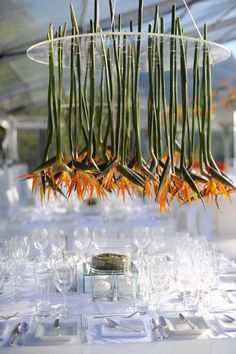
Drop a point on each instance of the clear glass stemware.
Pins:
(63, 280)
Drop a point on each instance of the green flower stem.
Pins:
(50, 128)
(194, 100)
(92, 94)
(127, 131)
(184, 82)
(53, 92)
(71, 98)
(172, 89)
(204, 107)
(123, 106)
(101, 111)
(151, 100)
(136, 87)
(163, 89)
(209, 105)
(157, 88)
(59, 98)
(109, 99)
(175, 83)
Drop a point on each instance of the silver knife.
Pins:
(155, 329)
(226, 296)
(163, 325)
(14, 334)
(57, 327)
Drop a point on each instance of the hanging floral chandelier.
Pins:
(94, 142)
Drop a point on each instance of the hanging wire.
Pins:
(191, 16)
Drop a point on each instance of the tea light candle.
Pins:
(101, 285)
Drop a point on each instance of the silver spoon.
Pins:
(24, 327)
(57, 326)
(113, 324)
(229, 319)
(155, 328)
(164, 326)
(190, 323)
(19, 329)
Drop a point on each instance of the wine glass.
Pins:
(43, 276)
(82, 239)
(42, 272)
(16, 262)
(158, 241)
(40, 240)
(63, 280)
(99, 238)
(57, 240)
(158, 277)
(141, 238)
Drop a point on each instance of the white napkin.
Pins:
(226, 326)
(98, 333)
(4, 330)
(119, 332)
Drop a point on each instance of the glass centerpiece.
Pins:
(94, 141)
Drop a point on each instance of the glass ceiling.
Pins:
(23, 84)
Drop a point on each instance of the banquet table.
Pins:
(214, 340)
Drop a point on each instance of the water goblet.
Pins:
(99, 238)
(63, 280)
(82, 238)
(158, 278)
(16, 264)
(40, 240)
(43, 277)
(141, 239)
(58, 241)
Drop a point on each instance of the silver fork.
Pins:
(226, 296)
(229, 319)
(155, 329)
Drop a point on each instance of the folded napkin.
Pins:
(97, 332)
(119, 332)
(4, 330)
(227, 326)
(227, 268)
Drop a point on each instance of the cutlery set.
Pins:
(159, 329)
(16, 336)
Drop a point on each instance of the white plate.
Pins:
(47, 332)
(119, 332)
(182, 328)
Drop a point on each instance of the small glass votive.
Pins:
(125, 288)
(43, 302)
(191, 299)
(102, 287)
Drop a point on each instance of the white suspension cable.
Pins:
(191, 16)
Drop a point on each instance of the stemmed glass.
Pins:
(141, 238)
(40, 240)
(43, 276)
(99, 238)
(158, 277)
(82, 238)
(58, 242)
(16, 261)
(158, 241)
(63, 280)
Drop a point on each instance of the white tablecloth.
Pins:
(116, 222)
